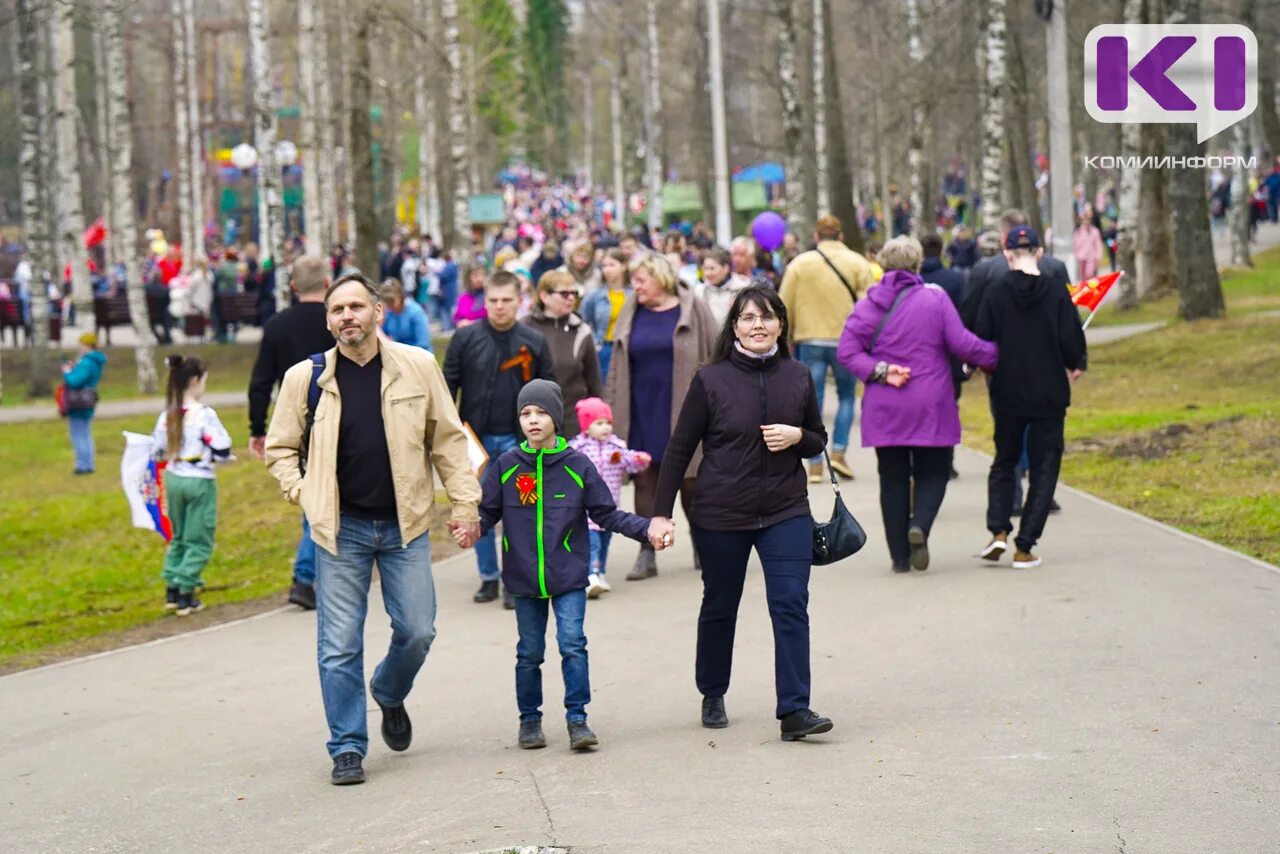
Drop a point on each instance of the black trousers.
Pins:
(786, 552)
(901, 467)
(1044, 444)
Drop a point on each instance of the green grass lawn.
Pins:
(1182, 425)
(73, 569)
(1247, 290)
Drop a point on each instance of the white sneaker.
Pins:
(594, 587)
(604, 584)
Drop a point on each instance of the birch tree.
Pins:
(1129, 196)
(424, 113)
(309, 127)
(653, 112)
(67, 140)
(270, 207)
(33, 94)
(195, 135)
(993, 116)
(103, 139)
(326, 158)
(1238, 215)
(122, 192)
(615, 137)
(181, 118)
(821, 166)
(793, 126)
(915, 145)
(460, 162)
(366, 214)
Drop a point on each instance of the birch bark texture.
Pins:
(821, 166)
(122, 192)
(309, 127)
(719, 137)
(460, 239)
(326, 229)
(270, 207)
(424, 114)
(653, 111)
(195, 134)
(102, 135)
(993, 116)
(793, 126)
(915, 144)
(615, 131)
(1129, 198)
(67, 135)
(33, 95)
(181, 121)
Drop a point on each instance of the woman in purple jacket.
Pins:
(898, 341)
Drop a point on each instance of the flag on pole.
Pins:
(1089, 293)
(143, 481)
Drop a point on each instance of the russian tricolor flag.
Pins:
(143, 481)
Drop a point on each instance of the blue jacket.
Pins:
(409, 326)
(86, 373)
(596, 310)
(951, 281)
(543, 499)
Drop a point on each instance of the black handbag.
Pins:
(842, 536)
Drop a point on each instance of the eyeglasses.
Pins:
(750, 320)
(565, 294)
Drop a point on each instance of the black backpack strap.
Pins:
(853, 295)
(313, 401)
(885, 319)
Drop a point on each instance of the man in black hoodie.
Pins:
(1030, 317)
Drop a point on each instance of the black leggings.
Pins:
(901, 468)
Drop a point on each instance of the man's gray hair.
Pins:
(354, 278)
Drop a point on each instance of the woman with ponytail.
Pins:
(190, 437)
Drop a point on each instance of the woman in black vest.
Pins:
(755, 412)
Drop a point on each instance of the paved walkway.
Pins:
(115, 408)
(1121, 697)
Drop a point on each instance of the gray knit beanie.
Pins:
(544, 394)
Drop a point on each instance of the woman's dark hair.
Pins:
(181, 373)
(766, 300)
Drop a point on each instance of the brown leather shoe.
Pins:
(815, 473)
(840, 466)
(995, 549)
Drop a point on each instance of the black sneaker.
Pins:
(487, 593)
(171, 598)
(188, 604)
(580, 736)
(302, 595)
(508, 599)
(901, 567)
(713, 714)
(1054, 507)
(348, 769)
(397, 729)
(531, 737)
(798, 724)
(919, 548)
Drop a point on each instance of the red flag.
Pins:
(1090, 292)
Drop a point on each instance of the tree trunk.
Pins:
(459, 153)
(103, 138)
(701, 133)
(1238, 216)
(32, 44)
(122, 192)
(362, 148)
(195, 133)
(69, 192)
(588, 130)
(615, 130)
(309, 127)
(719, 139)
(793, 125)
(840, 179)
(326, 230)
(821, 104)
(270, 206)
(1154, 262)
(346, 191)
(1129, 196)
(993, 115)
(653, 108)
(425, 116)
(920, 219)
(182, 200)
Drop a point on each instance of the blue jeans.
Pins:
(486, 549)
(342, 599)
(82, 441)
(819, 357)
(599, 550)
(531, 621)
(304, 562)
(605, 353)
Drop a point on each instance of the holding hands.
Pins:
(662, 533)
(465, 534)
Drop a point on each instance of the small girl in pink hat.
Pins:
(614, 461)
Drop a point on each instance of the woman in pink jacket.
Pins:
(1086, 243)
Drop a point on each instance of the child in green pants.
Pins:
(189, 435)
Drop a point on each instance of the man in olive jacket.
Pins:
(383, 420)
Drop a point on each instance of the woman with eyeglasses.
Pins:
(754, 411)
(573, 349)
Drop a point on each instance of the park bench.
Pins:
(114, 311)
(11, 318)
(238, 307)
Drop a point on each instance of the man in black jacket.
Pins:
(289, 338)
(1031, 318)
(489, 362)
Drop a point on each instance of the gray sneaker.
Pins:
(646, 565)
(531, 737)
(348, 769)
(580, 736)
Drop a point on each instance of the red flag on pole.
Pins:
(1090, 292)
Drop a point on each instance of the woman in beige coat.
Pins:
(661, 338)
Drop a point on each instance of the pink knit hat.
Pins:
(592, 409)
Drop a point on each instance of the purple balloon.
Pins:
(768, 229)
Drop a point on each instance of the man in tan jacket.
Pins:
(383, 419)
(819, 289)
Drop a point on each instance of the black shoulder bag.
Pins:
(853, 295)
